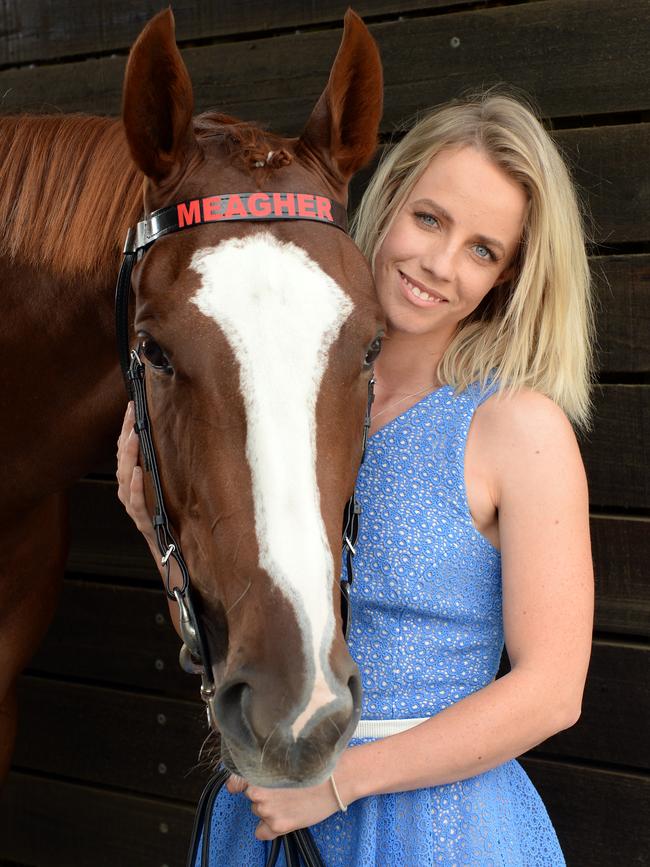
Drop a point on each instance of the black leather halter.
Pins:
(258, 207)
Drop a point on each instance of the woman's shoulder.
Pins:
(523, 423)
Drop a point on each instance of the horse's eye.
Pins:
(154, 354)
(373, 351)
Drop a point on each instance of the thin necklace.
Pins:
(401, 400)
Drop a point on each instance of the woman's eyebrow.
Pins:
(482, 239)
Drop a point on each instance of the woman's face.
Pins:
(451, 242)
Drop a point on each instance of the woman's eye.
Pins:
(484, 252)
(373, 351)
(154, 354)
(427, 219)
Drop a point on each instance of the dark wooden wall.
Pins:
(106, 769)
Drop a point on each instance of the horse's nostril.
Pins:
(233, 703)
(354, 685)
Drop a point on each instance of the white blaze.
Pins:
(280, 313)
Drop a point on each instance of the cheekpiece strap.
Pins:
(235, 207)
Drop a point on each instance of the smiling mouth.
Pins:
(419, 291)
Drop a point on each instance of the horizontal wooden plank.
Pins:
(621, 549)
(623, 314)
(600, 816)
(31, 33)
(615, 193)
(104, 539)
(48, 823)
(120, 739)
(615, 712)
(115, 635)
(568, 61)
(617, 452)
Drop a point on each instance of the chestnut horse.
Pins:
(255, 338)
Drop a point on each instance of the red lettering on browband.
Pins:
(259, 205)
(255, 206)
(284, 203)
(235, 208)
(212, 208)
(324, 208)
(189, 213)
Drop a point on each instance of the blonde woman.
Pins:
(475, 508)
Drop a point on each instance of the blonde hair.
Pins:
(535, 330)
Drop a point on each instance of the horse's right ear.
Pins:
(342, 130)
(158, 102)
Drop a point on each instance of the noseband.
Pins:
(257, 207)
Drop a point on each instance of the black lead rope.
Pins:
(298, 846)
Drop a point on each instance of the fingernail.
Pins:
(130, 412)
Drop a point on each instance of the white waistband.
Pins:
(382, 728)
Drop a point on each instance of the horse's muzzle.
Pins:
(258, 738)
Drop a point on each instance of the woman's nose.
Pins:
(440, 261)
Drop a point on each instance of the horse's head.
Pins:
(256, 339)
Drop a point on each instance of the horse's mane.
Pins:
(69, 190)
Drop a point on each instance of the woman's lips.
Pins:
(417, 293)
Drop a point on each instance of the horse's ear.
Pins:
(343, 126)
(158, 102)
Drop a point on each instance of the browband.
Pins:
(232, 207)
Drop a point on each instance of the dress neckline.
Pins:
(406, 412)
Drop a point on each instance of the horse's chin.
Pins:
(264, 774)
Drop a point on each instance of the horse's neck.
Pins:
(62, 387)
(63, 383)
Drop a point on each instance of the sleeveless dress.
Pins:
(426, 631)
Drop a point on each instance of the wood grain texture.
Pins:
(623, 314)
(567, 60)
(32, 33)
(118, 636)
(143, 743)
(598, 814)
(616, 194)
(621, 549)
(617, 452)
(50, 823)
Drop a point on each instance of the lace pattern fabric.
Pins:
(426, 632)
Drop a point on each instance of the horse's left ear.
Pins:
(158, 102)
(343, 126)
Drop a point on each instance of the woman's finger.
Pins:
(127, 423)
(137, 507)
(263, 832)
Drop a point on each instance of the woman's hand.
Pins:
(284, 810)
(130, 482)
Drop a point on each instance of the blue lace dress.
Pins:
(426, 631)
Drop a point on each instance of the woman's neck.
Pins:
(408, 362)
